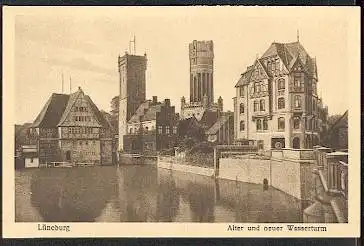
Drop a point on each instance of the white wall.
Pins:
(30, 163)
(245, 170)
(284, 175)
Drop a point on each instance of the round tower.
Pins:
(201, 54)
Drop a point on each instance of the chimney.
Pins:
(155, 99)
(167, 102)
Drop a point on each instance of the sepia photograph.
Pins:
(203, 115)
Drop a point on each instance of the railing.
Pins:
(66, 164)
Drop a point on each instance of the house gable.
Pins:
(80, 112)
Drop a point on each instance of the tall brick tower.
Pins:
(132, 92)
(201, 71)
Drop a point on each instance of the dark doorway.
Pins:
(278, 143)
(68, 155)
(296, 143)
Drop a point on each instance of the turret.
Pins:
(220, 103)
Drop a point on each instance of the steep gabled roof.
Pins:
(71, 101)
(208, 118)
(215, 127)
(245, 77)
(52, 111)
(57, 108)
(146, 111)
(97, 113)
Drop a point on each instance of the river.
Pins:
(144, 194)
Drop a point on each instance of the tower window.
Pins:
(296, 122)
(241, 91)
(241, 108)
(265, 124)
(262, 105)
(281, 123)
(259, 124)
(256, 105)
(297, 101)
(242, 125)
(281, 103)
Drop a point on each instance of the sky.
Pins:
(84, 44)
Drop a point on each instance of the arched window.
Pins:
(281, 84)
(259, 124)
(273, 65)
(241, 108)
(269, 66)
(262, 105)
(281, 123)
(297, 101)
(242, 125)
(296, 122)
(265, 124)
(256, 105)
(281, 103)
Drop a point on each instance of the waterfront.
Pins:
(144, 194)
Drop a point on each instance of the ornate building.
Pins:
(132, 70)
(276, 99)
(201, 54)
(71, 128)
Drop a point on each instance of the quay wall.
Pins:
(286, 170)
(166, 164)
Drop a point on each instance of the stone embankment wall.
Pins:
(288, 170)
(173, 164)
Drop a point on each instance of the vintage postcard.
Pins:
(181, 121)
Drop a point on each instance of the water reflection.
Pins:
(145, 194)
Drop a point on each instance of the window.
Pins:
(255, 87)
(174, 129)
(167, 129)
(86, 142)
(265, 124)
(281, 103)
(160, 129)
(130, 130)
(259, 124)
(269, 66)
(296, 122)
(259, 88)
(241, 108)
(256, 105)
(281, 123)
(309, 124)
(31, 160)
(297, 101)
(242, 125)
(278, 65)
(241, 91)
(262, 105)
(273, 65)
(281, 84)
(69, 129)
(297, 81)
(146, 129)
